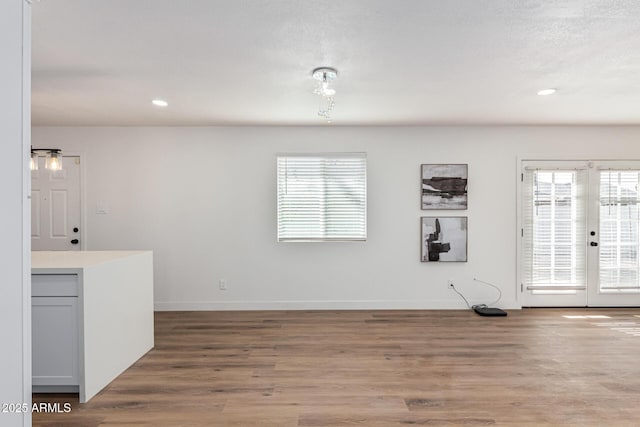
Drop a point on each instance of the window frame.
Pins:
(282, 236)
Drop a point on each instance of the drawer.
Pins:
(54, 285)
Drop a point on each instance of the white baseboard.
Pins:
(309, 305)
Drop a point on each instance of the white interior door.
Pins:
(580, 233)
(56, 207)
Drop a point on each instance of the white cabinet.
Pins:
(55, 340)
(54, 317)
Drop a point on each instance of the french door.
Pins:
(579, 239)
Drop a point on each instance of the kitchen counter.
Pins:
(92, 317)
(42, 261)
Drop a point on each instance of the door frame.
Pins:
(520, 291)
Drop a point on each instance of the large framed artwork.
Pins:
(443, 239)
(444, 186)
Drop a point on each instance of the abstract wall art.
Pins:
(443, 239)
(444, 186)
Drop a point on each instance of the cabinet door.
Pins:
(55, 340)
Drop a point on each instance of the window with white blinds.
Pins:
(554, 229)
(322, 197)
(619, 204)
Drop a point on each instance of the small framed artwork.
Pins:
(444, 186)
(443, 239)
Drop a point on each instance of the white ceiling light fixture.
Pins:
(324, 76)
(545, 92)
(160, 103)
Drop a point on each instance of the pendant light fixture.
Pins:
(324, 76)
(34, 161)
(53, 158)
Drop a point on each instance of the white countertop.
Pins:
(75, 259)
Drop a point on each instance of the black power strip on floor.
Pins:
(488, 311)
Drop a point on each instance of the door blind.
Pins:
(322, 197)
(619, 204)
(554, 230)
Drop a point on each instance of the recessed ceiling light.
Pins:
(545, 92)
(159, 102)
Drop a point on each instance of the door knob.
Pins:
(75, 241)
(594, 243)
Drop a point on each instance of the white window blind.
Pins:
(619, 217)
(322, 197)
(554, 230)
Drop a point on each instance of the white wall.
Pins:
(15, 298)
(203, 199)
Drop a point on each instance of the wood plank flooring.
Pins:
(375, 368)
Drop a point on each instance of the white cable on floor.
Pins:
(479, 305)
(462, 296)
(493, 286)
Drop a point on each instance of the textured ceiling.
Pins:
(401, 62)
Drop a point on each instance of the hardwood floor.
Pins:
(375, 368)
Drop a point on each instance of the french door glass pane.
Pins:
(619, 204)
(555, 216)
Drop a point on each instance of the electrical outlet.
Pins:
(450, 284)
(223, 284)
